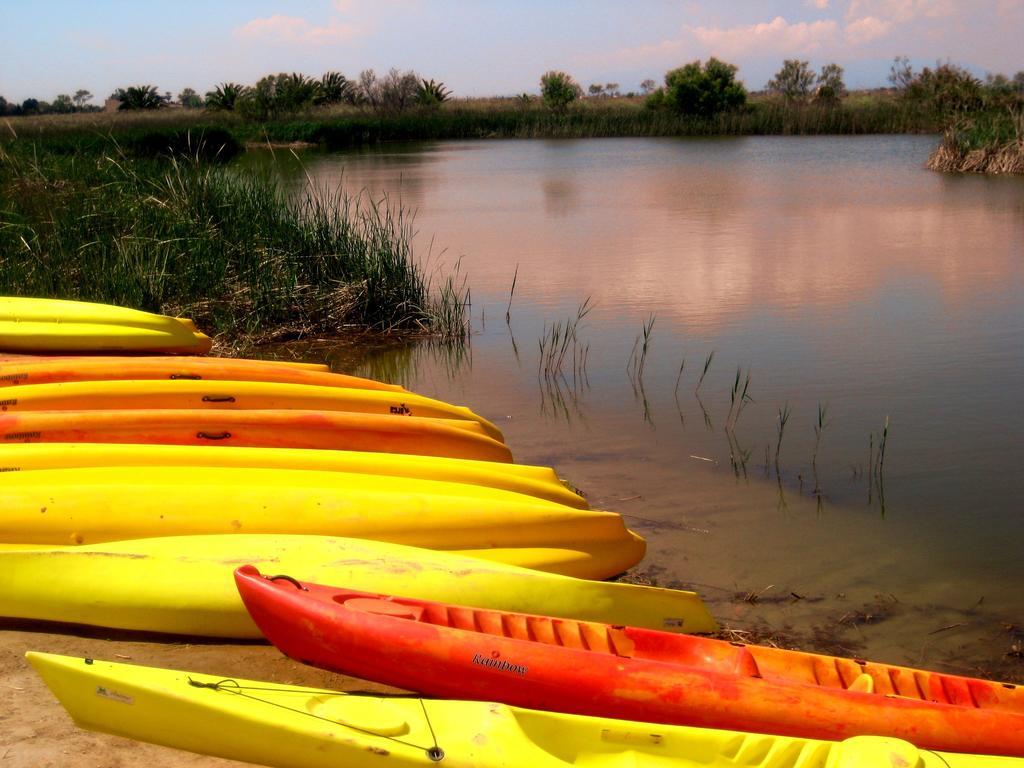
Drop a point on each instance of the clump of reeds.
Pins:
(560, 342)
(230, 249)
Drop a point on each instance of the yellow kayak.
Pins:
(295, 727)
(541, 482)
(185, 585)
(97, 504)
(230, 395)
(55, 325)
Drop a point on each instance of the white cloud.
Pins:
(777, 36)
(866, 30)
(821, 5)
(900, 11)
(293, 30)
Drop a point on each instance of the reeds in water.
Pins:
(230, 249)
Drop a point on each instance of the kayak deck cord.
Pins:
(228, 685)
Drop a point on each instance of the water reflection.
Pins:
(828, 270)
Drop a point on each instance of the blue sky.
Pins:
(485, 47)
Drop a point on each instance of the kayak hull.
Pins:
(100, 504)
(71, 369)
(55, 325)
(184, 585)
(188, 394)
(598, 669)
(271, 724)
(540, 482)
(320, 430)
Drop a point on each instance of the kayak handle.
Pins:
(218, 399)
(213, 435)
(289, 579)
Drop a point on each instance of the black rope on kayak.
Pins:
(435, 753)
(228, 685)
(944, 761)
(289, 579)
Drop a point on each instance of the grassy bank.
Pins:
(187, 236)
(991, 142)
(340, 127)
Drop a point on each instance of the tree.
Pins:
(830, 88)
(81, 98)
(62, 104)
(393, 93)
(1018, 81)
(335, 88)
(189, 99)
(4, 106)
(225, 96)
(648, 86)
(901, 75)
(611, 89)
(30, 107)
(703, 91)
(432, 95)
(793, 82)
(139, 97)
(558, 90)
(595, 89)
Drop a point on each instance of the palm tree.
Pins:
(225, 96)
(139, 97)
(334, 89)
(431, 94)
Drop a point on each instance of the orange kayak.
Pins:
(335, 430)
(59, 370)
(590, 668)
(15, 357)
(230, 395)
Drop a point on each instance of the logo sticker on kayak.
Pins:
(107, 693)
(499, 664)
(5, 403)
(401, 410)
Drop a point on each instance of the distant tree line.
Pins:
(63, 104)
(707, 89)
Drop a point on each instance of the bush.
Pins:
(700, 91)
(558, 90)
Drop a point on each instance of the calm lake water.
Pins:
(836, 271)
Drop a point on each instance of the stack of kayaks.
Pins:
(401, 545)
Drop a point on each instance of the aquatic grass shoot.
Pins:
(783, 419)
(641, 345)
(703, 373)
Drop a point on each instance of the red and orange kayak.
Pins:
(624, 672)
(59, 370)
(334, 430)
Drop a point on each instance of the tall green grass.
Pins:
(231, 250)
(505, 118)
